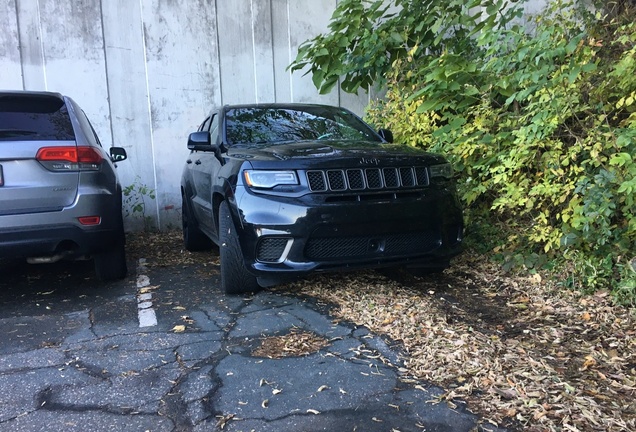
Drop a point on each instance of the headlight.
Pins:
(444, 170)
(269, 179)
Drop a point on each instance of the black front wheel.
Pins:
(235, 279)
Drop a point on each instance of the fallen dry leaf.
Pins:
(223, 420)
(471, 330)
(515, 349)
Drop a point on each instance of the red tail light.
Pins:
(70, 158)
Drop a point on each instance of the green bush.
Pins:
(539, 119)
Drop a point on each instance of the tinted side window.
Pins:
(87, 127)
(214, 129)
(34, 118)
(205, 125)
(99, 143)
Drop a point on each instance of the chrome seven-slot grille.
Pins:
(360, 179)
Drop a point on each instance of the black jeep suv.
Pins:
(289, 189)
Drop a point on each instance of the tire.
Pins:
(111, 265)
(235, 279)
(193, 238)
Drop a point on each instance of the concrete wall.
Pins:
(148, 71)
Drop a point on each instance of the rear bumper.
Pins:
(60, 232)
(68, 240)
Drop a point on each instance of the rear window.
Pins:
(30, 118)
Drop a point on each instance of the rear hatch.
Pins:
(38, 154)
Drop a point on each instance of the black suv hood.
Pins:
(341, 153)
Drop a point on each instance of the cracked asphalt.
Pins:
(73, 357)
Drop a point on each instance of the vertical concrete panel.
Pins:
(263, 50)
(10, 65)
(307, 19)
(129, 101)
(236, 50)
(31, 49)
(355, 102)
(293, 24)
(283, 55)
(74, 62)
(183, 83)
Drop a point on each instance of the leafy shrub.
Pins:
(539, 118)
(134, 202)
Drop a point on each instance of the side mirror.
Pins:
(200, 141)
(118, 154)
(386, 135)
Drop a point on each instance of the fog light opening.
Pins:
(273, 249)
(376, 245)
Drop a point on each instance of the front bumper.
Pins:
(283, 237)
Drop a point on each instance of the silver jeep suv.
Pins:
(59, 193)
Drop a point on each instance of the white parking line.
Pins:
(147, 316)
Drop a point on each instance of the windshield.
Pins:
(256, 125)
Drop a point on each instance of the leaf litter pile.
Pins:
(522, 352)
(294, 344)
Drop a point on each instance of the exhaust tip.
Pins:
(48, 259)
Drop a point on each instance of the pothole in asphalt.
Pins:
(296, 343)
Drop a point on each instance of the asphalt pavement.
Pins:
(165, 350)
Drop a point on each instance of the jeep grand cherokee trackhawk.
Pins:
(289, 189)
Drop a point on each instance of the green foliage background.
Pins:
(538, 115)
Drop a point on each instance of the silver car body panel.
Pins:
(28, 186)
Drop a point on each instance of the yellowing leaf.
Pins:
(179, 328)
(588, 363)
